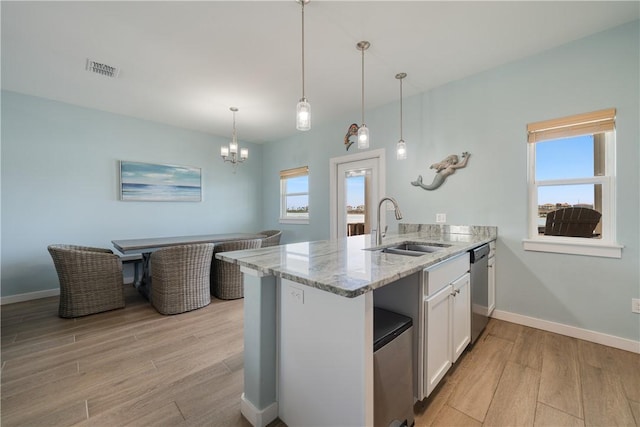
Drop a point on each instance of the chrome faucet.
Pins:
(379, 233)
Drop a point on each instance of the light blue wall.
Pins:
(486, 115)
(311, 149)
(60, 185)
(59, 177)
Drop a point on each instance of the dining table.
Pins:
(146, 246)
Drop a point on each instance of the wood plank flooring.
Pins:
(519, 376)
(125, 367)
(137, 367)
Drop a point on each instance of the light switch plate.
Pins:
(635, 305)
(441, 217)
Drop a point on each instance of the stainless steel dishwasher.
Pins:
(479, 290)
(392, 369)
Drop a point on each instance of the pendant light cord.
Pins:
(401, 110)
(302, 2)
(234, 136)
(363, 86)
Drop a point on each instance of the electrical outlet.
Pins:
(635, 305)
(296, 295)
(440, 218)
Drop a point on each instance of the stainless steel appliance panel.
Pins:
(392, 369)
(479, 290)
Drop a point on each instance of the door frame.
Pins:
(378, 154)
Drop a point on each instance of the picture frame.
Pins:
(154, 182)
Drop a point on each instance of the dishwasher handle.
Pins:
(479, 253)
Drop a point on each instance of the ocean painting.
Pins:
(159, 183)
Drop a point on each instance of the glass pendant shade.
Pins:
(363, 137)
(303, 115)
(401, 150)
(233, 147)
(244, 153)
(224, 151)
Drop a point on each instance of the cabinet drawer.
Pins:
(440, 275)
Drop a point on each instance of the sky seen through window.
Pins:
(565, 159)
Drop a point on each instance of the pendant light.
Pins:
(303, 109)
(363, 131)
(230, 153)
(401, 146)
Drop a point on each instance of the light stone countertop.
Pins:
(350, 266)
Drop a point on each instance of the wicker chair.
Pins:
(226, 278)
(90, 280)
(180, 278)
(272, 239)
(573, 222)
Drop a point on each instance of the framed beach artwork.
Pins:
(159, 183)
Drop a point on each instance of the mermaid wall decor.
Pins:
(443, 169)
(353, 131)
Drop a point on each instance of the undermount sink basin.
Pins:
(415, 249)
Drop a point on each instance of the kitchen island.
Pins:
(308, 320)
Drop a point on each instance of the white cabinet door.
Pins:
(492, 285)
(461, 303)
(438, 338)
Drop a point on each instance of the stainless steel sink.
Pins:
(415, 249)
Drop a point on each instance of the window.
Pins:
(294, 195)
(571, 182)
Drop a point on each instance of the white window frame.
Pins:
(284, 175)
(605, 246)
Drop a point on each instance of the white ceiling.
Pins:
(186, 63)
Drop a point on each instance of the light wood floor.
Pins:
(519, 376)
(136, 367)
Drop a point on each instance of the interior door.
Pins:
(372, 161)
(357, 194)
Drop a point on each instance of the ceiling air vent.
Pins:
(102, 69)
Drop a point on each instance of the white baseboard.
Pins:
(43, 294)
(258, 417)
(29, 296)
(570, 331)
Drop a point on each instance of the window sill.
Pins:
(571, 246)
(294, 220)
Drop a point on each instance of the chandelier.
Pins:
(230, 153)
